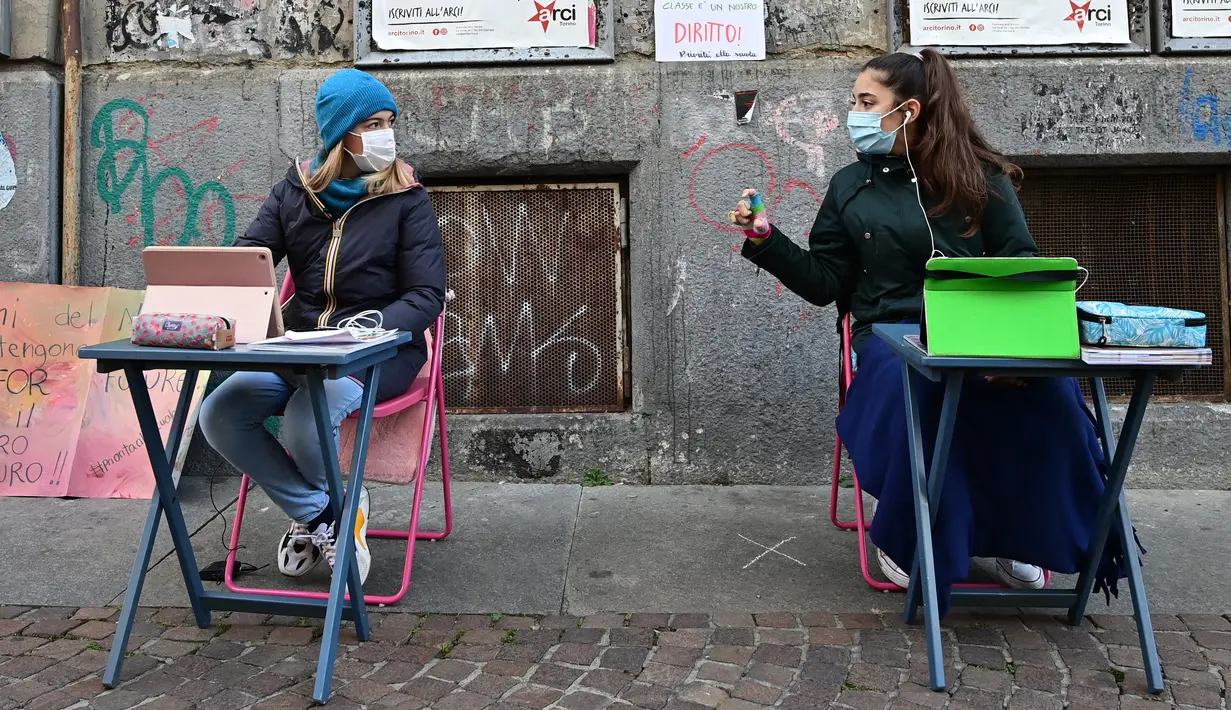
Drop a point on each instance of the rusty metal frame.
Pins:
(1224, 250)
(1165, 43)
(70, 186)
(1138, 33)
(1223, 196)
(622, 334)
(368, 55)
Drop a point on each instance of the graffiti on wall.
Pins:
(171, 208)
(1201, 116)
(738, 159)
(535, 320)
(802, 122)
(557, 116)
(8, 171)
(311, 27)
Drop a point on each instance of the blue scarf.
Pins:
(341, 194)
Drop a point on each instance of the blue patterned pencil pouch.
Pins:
(1123, 326)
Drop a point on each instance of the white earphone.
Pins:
(919, 196)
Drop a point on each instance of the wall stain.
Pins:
(297, 27)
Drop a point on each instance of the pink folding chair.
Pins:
(846, 374)
(427, 389)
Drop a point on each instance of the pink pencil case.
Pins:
(190, 331)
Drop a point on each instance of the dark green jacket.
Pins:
(869, 244)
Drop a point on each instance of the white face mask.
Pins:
(379, 150)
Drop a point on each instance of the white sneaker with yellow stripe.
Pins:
(325, 538)
(362, 554)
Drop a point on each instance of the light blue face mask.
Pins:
(866, 132)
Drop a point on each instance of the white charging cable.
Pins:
(1086, 273)
(365, 325)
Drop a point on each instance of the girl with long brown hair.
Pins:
(1024, 476)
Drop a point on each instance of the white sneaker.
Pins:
(362, 554)
(326, 538)
(1019, 575)
(297, 551)
(891, 571)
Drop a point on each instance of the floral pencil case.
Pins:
(190, 331)
(1122, 326)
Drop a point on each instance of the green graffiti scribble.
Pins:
(112, 186)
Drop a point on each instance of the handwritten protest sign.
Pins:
(1192, 18)
(66, 430)
(709, 31)
(1017, 22)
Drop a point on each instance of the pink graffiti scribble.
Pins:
(700, 142)
(798, 124)
(771, 193)
(12, 144)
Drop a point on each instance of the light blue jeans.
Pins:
(233, 421)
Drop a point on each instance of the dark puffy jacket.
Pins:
(869, 245)
(383, 254)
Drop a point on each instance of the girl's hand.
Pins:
(742, 216)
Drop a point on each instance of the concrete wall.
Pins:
(733, 380)
(29, 174)
(36, 29)
(217, 32)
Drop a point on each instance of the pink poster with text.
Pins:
(66, 430)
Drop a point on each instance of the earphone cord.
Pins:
(365, 325)
(914, 177)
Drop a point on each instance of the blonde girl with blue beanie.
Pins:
(359, 233)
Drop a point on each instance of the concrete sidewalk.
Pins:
(553, 549)
(554, 597)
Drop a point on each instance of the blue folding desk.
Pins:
(1112, 516)
(316, 367)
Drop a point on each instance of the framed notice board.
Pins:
(442, 32)
(1020, 27)
(1192, 26)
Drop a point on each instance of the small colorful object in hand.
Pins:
(183, 330)
(755, 206)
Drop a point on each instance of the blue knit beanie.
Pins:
(345, 99)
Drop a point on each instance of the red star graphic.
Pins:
(1079, 15)
(542, 13)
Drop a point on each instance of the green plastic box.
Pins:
(1001, 307)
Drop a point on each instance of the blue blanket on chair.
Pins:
(1024, 478)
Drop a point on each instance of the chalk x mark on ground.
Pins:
(768, 550)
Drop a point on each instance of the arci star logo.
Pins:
(542, 13)
(546, 14)
(1079, 15)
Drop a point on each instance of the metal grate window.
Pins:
(1148, 237)
(537, 319)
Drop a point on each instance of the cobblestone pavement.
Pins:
(52, 658)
